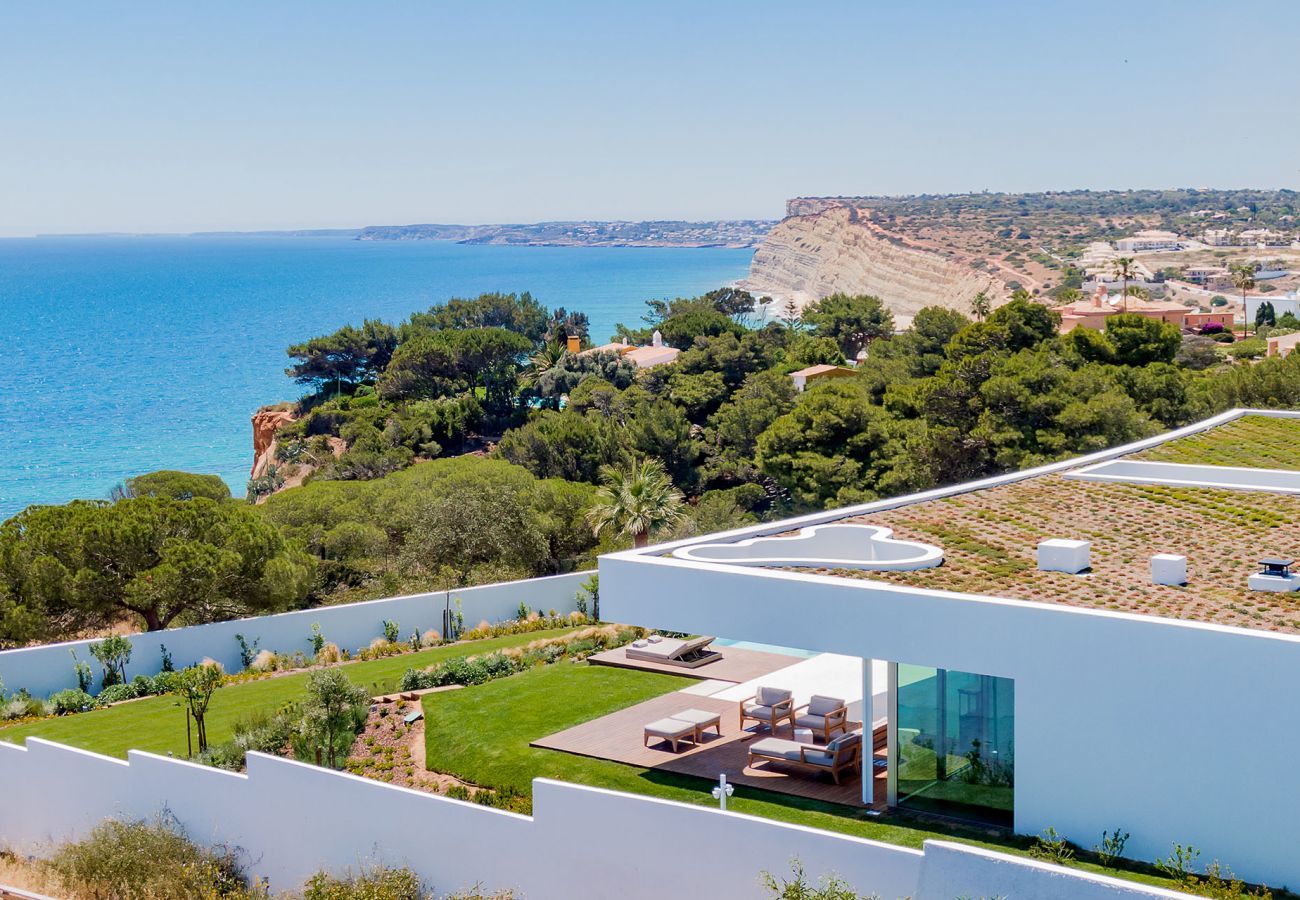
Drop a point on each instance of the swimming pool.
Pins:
(766, 648)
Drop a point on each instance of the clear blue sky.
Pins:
(180, 116)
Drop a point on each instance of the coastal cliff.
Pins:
(266, 422)
(828, 247)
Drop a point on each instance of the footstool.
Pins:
(702, 719)
(673, 731)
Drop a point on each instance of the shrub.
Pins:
(376, 883)
(828, 887)
(478, 669)
(72, 700)
(258, 732)
(1051, 847)
(391, 631)
(1111, 847)
(1249, 348)
(148, 859)
(116, 693)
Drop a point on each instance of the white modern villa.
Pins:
(1109, 642)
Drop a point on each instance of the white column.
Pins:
(891, 730)
(868, 715)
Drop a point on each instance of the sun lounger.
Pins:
(823, 716)
(689, 654)
(770, 706)
(843, 753)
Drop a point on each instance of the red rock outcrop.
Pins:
(266, 422)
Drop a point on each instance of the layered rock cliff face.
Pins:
(834, 248)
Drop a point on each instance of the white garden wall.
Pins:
(48, 668)
(291, 820)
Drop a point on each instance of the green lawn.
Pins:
(504, 716)
(157, 724)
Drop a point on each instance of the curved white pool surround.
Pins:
(822, 547)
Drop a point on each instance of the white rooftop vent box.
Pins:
(1169, 568)
(1276, 576)
(1061, 555)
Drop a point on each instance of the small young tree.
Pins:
(981, 306)
(333, 710)
(196, 685)
(113, 653)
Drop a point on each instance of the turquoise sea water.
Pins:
(132, 354)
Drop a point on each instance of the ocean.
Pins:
(138, 353)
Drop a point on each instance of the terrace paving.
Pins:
(619, 736)
(990, 536)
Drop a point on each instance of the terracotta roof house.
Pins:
(804, 377)
(657, 354)
(1093, 311)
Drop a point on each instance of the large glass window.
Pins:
(955, 752)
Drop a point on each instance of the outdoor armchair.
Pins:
(768, 706)
(823, 716)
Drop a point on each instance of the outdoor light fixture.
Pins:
(723, 791)
(1277, 567)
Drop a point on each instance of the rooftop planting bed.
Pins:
(989, 540)
(1260, 442)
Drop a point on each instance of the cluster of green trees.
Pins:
(579, 454)
(163, 553)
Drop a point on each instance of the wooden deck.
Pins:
(619, 737)
(735, 664)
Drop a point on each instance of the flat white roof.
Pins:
(1136, 471)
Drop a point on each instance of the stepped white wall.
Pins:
(290, 820)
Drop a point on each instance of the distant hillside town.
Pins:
(722, 233)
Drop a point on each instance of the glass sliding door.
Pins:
(955, 752)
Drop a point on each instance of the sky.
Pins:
(164, 116)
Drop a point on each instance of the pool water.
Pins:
(766, 648)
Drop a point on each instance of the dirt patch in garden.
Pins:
(392, 751)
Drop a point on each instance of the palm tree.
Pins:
(1123, 266)
(1243, 277)
(980, 306)
(637, 501)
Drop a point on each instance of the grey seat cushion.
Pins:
(670, 728)
(810, 721)
(844, 742)
(778, 748)
(757, 709)
(770, 696)
(818, 758)
(697, 716)
(819, 705)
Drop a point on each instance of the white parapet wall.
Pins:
(289, 820)
(48, 668)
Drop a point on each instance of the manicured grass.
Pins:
(481, 734)
(157, 724)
